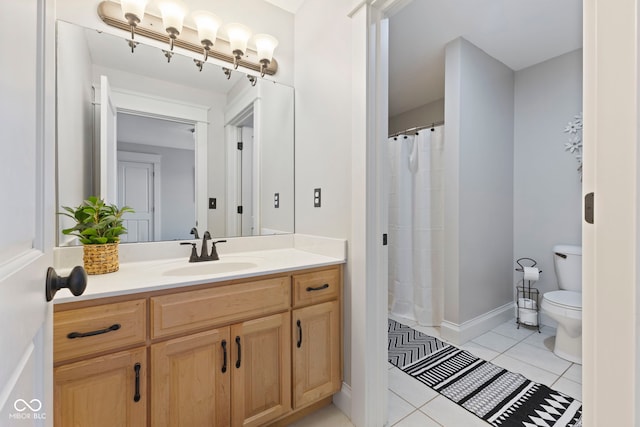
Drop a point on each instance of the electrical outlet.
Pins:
(276, 200)
(212, 202)
(317, 198)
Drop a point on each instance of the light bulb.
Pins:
(238, 38)
(173, 13)
(265, 45)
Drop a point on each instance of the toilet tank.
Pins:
(568, 264)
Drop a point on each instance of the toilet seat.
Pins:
(563, 303)
(565, 299)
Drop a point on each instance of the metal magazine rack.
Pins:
(527, 298)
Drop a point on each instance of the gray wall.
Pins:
(177, 184)
(276, 174)
(547, 206)
(424, 115)
(479, 93)
(323, 130)
(74, 122)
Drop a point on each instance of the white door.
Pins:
(108, 143)
(137, 189)
(27, 144)
(246, 187)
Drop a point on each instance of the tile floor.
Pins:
(412, 404)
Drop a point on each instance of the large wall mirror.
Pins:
(184, 148)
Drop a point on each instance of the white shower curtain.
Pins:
(416, 225)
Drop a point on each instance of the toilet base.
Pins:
(568, 348)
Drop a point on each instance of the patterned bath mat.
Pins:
(500, 397)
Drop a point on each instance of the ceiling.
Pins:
(138, 129)
(519, 33)
(288, 5)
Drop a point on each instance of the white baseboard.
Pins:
(459, 334)
(342, 399)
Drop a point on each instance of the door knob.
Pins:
(76, 282)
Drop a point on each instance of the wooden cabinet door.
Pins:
(190, 380)
(261, 364)
(104, 391)
(316, 353)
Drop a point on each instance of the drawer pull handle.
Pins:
(113, 327)
(239, 352)
(299, 334)
(224, 356)
(319, 288)
(136, 396)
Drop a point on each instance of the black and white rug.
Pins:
(500, 397)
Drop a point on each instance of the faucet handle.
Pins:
(214, 252)
(194, 252)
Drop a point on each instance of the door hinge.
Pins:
(240, 146)
(239, 209)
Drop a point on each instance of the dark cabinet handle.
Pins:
(319, 288)
(239, 352)
(76, 282)
(113, 327)
(136, 396)
(299, 333)
(224, 356)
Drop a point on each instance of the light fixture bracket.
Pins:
(150, 25)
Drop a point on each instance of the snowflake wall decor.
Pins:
(574, 144)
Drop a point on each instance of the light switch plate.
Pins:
(317, 197)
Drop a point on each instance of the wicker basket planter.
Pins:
(101, 259)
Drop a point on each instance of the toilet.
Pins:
(565, 305)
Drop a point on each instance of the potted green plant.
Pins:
(98, 226)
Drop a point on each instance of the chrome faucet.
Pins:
(204, 251)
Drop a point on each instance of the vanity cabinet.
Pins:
(190, 380)
(248, 352)
(317, 368)
(261, 370)
(193, 377)
(316, 353)
(105, 390)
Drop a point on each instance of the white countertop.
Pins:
(146, 276)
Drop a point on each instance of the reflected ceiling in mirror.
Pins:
(225, 190)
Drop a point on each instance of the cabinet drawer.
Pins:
(187, 311)
(315, 287)
(90, 330)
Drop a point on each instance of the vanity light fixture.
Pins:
(133, 11)
(199, 38)
(265, 45)
(238, 38)
(207, 24)
(173, 13)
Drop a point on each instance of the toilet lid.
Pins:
(568, 299)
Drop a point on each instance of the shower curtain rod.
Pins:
(416, 129)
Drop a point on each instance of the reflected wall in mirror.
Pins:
(184, 148)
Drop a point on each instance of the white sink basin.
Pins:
(210, 267)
